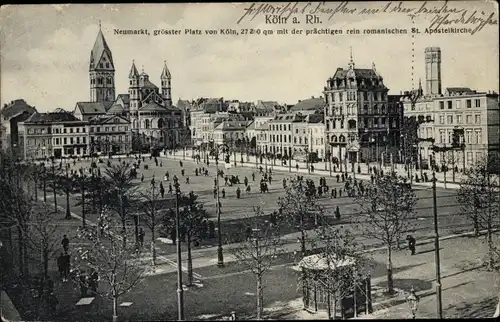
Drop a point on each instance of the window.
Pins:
(427, 106)
(340, 97)
(450, 105)
(71, 140)
(84, 130)
(106, 129)
(77, 130)
(449, 119)
(478, 103)
(469, 157)
(469, 104)
(98, 129)
(441, 119)
(442, 136)
(113, 129)
(65, 141)
(71, 130)
(468, 137)
(65, 130)
(478, 138)
(84, 139)
(441, 105)
(100, 65)
(459, 119)
(107, 65)
(477, 118)
(468, 119)
(78, 140)
(479, 156)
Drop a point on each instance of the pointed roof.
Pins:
(100, 47)
(165, 73)
(133, 71)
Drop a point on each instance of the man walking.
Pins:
(65, 243)
(411, 243)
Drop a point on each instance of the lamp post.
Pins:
(413, 301)
(436, 251)
(180, 291)
(220, 255)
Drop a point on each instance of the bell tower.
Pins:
(101, 71)
(166, 85)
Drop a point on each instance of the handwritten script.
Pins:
(441, 14)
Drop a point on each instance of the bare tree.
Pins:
(479, 198)
(116, 263)
(120, 194)
(339, 268)
(15, 208)
(299, 206)
(65, 183)
(43, 235)
(259, 252)
(192, 217)
(388, 211)
(152, 207)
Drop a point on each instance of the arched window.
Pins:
(147, 124)
(341, 138)
(160, 123)
(110, 81)
(100, 80)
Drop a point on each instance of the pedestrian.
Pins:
(215, 192)
(187, 180)
(338, 177)
(142, 177)
(182, 172)
(141, 237)
(180, 163)
(297, 167)
(196, 172)
(170, 190)
(83, 284)
(245, 181)
(411, 243)
(162, 191)
(337, 212)
(238, 193)
(65, 243)
(223, 193)
(60, 265)
(312, 168)
(66, 265)
(253, 176)
(161, 164)
(340, 192)
(284, 183)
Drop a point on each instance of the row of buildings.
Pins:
(107, 123)
(355, 119)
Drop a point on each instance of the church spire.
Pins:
(165, 74)
(133, 71)
(99, 50)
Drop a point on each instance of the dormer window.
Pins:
(100, 65)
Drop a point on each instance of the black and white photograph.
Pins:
(250, 161)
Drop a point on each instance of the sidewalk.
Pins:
(319, 169)
(468, 289)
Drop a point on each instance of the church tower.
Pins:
(101, 71)
(133, 92)
(433, 70)
(166, 85)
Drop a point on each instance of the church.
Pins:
(152, 118)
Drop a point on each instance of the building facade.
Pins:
(360, 124)
(11, 115)
(458, 108)
(60, 134)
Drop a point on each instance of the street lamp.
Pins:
(180, 290)
(412, 301)
(220, 256)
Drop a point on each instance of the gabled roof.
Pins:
(309, 104)
(94, 107)
(116, 108)
(232, 125)
(100, 47)
(459, 90)
(51, 117)
(109, 119)
(15, 108)
(359, 72)
(153, 106)
(125, 98)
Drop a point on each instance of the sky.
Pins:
(45, 50)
